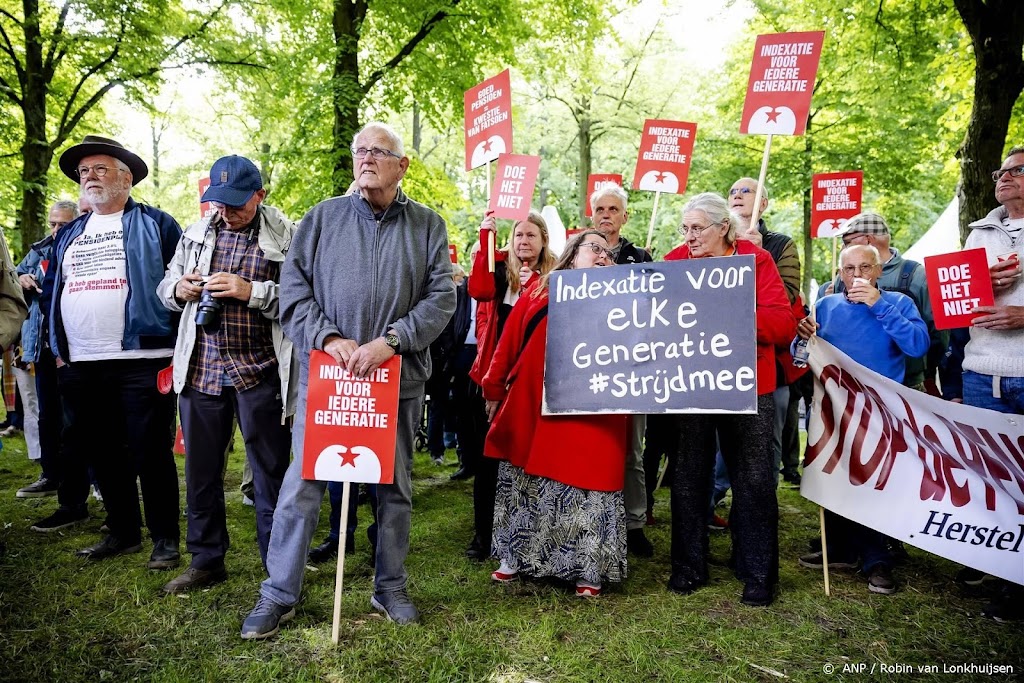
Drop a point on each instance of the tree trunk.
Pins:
(417, 128)
(154, 173)
(36, 153)
(997, 31)
(346, 91)
(585, 164)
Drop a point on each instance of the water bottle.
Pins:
(800, 353)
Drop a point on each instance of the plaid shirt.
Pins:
(240, 351)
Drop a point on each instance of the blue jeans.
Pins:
(298, 511)
(978, 392)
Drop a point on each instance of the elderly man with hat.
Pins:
(898, 275)
(112, 337)
(231, 358)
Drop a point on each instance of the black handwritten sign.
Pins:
(672, 337)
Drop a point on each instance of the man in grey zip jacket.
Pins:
(368, 276)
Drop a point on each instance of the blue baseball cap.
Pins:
(233, 181)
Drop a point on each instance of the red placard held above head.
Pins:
(835, 199)
(598, 181)
(205, 209)
(351, 422)
(513, 186)
(488, 120)
(663, 162)
(781, 83)
(453, 253)
(957, 284)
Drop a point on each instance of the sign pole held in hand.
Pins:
(654, 216)
(339, 579)
(824, 549)
(756, 213)
(492, 237)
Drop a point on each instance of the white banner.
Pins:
(941, 476)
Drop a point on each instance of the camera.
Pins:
(208, 313)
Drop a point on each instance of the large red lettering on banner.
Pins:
(488, 120)
(663, 162)
(782, 75)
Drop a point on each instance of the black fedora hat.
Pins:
(94, 144)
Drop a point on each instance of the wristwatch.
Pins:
(391, 339)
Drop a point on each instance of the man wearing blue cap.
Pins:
(231, 358)
(111, 338)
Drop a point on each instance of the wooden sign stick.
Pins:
(824, 549)
(493, 237)
(339, 579)
(654, 216)
(755, 214)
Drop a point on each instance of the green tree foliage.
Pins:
(874, 109)
(59, 60)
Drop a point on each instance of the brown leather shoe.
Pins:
(195, 578)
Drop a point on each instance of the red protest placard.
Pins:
(835, 199)
(513, 186)
(204, 207)
(351, 422)
(453, 253)
(179, 441)
(488, 120)
(781, 82)
(663, 162)
(957, 284)
(598, 181)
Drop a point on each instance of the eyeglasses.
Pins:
(862, 269)
(598, 249)
(375, 152)
(740, 190)
(55, 225)
(1014, 171)
(695, 230)
(99, 170)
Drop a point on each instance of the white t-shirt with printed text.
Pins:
(92, 304)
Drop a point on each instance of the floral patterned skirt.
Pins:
(544, 528)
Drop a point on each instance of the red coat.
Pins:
(585, 451)
(776, 325)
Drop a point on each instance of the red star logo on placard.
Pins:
(487, 146)
(659, 178)
(773, 115)
(348, 458)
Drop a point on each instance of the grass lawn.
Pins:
(65, 619)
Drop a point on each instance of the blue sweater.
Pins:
(877, 336)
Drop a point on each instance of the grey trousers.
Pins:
(298, 511)
(634, 488)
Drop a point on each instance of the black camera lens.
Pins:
(208, 313)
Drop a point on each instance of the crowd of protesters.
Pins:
(133, 320)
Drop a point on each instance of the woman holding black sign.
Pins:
(558, 510)
(709, 230)
(527, 258)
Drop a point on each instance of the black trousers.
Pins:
(745, 441)
(121, 425)
(59, 462)
(207, 423)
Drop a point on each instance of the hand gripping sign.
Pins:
(781, 83)
(351, 422)
(835, 199)
(488, 120)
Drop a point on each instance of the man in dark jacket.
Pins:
(112, 336)
(609, 208)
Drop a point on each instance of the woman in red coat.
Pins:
(558, 510)
(709, 230)
(527, 258)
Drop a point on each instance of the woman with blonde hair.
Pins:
(526, 258)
